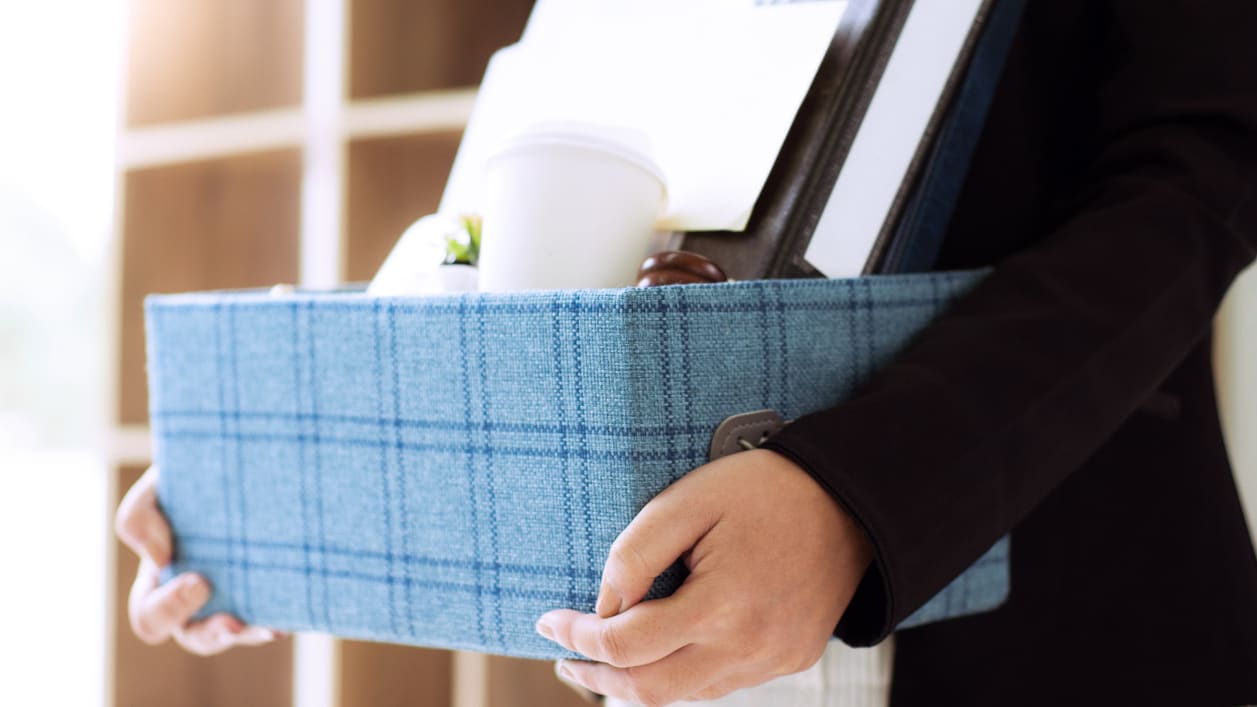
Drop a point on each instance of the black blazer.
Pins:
(1069, 399)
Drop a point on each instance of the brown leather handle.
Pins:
(678, 267)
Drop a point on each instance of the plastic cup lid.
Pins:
(628, 144)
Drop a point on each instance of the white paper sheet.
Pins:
(715, 84)
(924, 58)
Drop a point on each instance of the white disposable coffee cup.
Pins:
(567, 206)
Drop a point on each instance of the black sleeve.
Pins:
(1009, 392)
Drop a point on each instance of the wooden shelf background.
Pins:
(190, 59)
(403, 46)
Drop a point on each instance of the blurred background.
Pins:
(173, 145)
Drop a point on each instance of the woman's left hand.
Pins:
(773, 562)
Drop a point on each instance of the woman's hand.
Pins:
(161, 611)
(773, 562)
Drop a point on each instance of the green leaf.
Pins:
(463, 246)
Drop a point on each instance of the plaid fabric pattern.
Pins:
(441, 471)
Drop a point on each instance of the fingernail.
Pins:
(255, 635)
(608, 601)
(545, 629)
(565, 676)
(195, 590)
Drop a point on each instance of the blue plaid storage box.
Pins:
(440, 471)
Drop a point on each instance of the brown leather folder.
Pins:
(798, 187)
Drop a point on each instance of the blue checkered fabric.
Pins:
(441, 471)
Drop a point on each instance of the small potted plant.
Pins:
(438, 253)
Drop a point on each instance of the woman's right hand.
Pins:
(161, 611)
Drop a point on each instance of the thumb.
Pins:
(671, 524)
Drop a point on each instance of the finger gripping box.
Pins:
(440, 471)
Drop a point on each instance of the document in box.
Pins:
(883, 110)
(714, 84)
